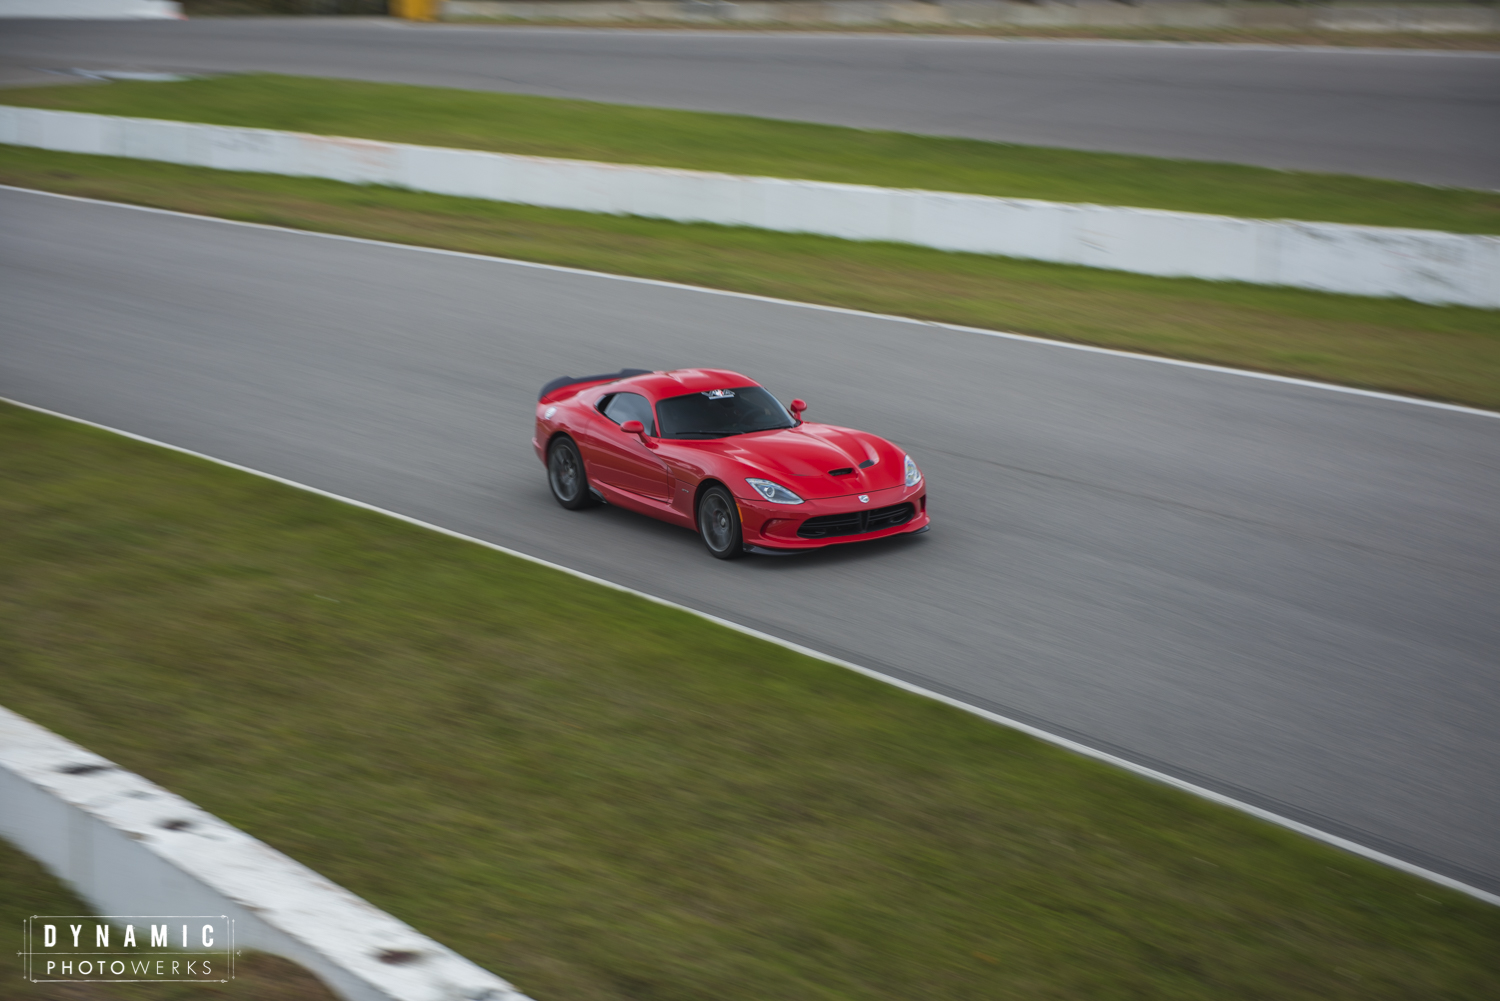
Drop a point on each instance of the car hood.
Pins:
(802, 459)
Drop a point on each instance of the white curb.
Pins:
(127, 846)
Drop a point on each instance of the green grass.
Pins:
(27, 889)
(1449, 353)
(603, 798)
(543, 126)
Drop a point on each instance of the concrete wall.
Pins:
(104, 10)
(1432, 18)
(127, 846)
(1362, 260)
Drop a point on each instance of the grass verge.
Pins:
(602, 798)
(1449, 353)
(544, 126)
(27, 889)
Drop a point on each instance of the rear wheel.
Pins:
(719, 524)
(566, 475)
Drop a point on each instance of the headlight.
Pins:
(913, 474)
(774, 492)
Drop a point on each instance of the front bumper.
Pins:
(775, 526)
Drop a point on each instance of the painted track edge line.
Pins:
(1126, 764)
(889, 317)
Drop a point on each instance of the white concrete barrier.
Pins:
(100, 10)
(1418, 17)
(1423, 265)
(127, 846)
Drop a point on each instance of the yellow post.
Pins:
(415, 10)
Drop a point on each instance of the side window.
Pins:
(624, 407)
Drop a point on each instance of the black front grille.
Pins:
(856, 522)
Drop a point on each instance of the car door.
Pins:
(625, 461)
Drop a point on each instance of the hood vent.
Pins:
(846, 471)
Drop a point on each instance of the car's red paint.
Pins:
(663, 477)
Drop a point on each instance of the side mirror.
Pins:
(797, 407)
(633, 427)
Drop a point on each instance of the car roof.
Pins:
(679, 381)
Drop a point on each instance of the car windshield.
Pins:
(719, 413)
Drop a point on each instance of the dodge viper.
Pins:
(715, 452)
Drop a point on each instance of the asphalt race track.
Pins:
(1283, 592)
(1411, 115)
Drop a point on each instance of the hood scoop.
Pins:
(849, 470)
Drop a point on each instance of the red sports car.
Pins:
(714, 452)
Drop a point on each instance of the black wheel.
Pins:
(719, 524)
(566, 475)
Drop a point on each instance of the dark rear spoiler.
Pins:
(569, 380)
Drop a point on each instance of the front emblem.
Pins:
(864, 498)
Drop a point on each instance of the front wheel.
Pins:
(719, 524)
(566, 475)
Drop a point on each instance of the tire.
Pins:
(719, 524)
(566, 476)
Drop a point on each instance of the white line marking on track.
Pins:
(1051, 738)
(889, 317)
